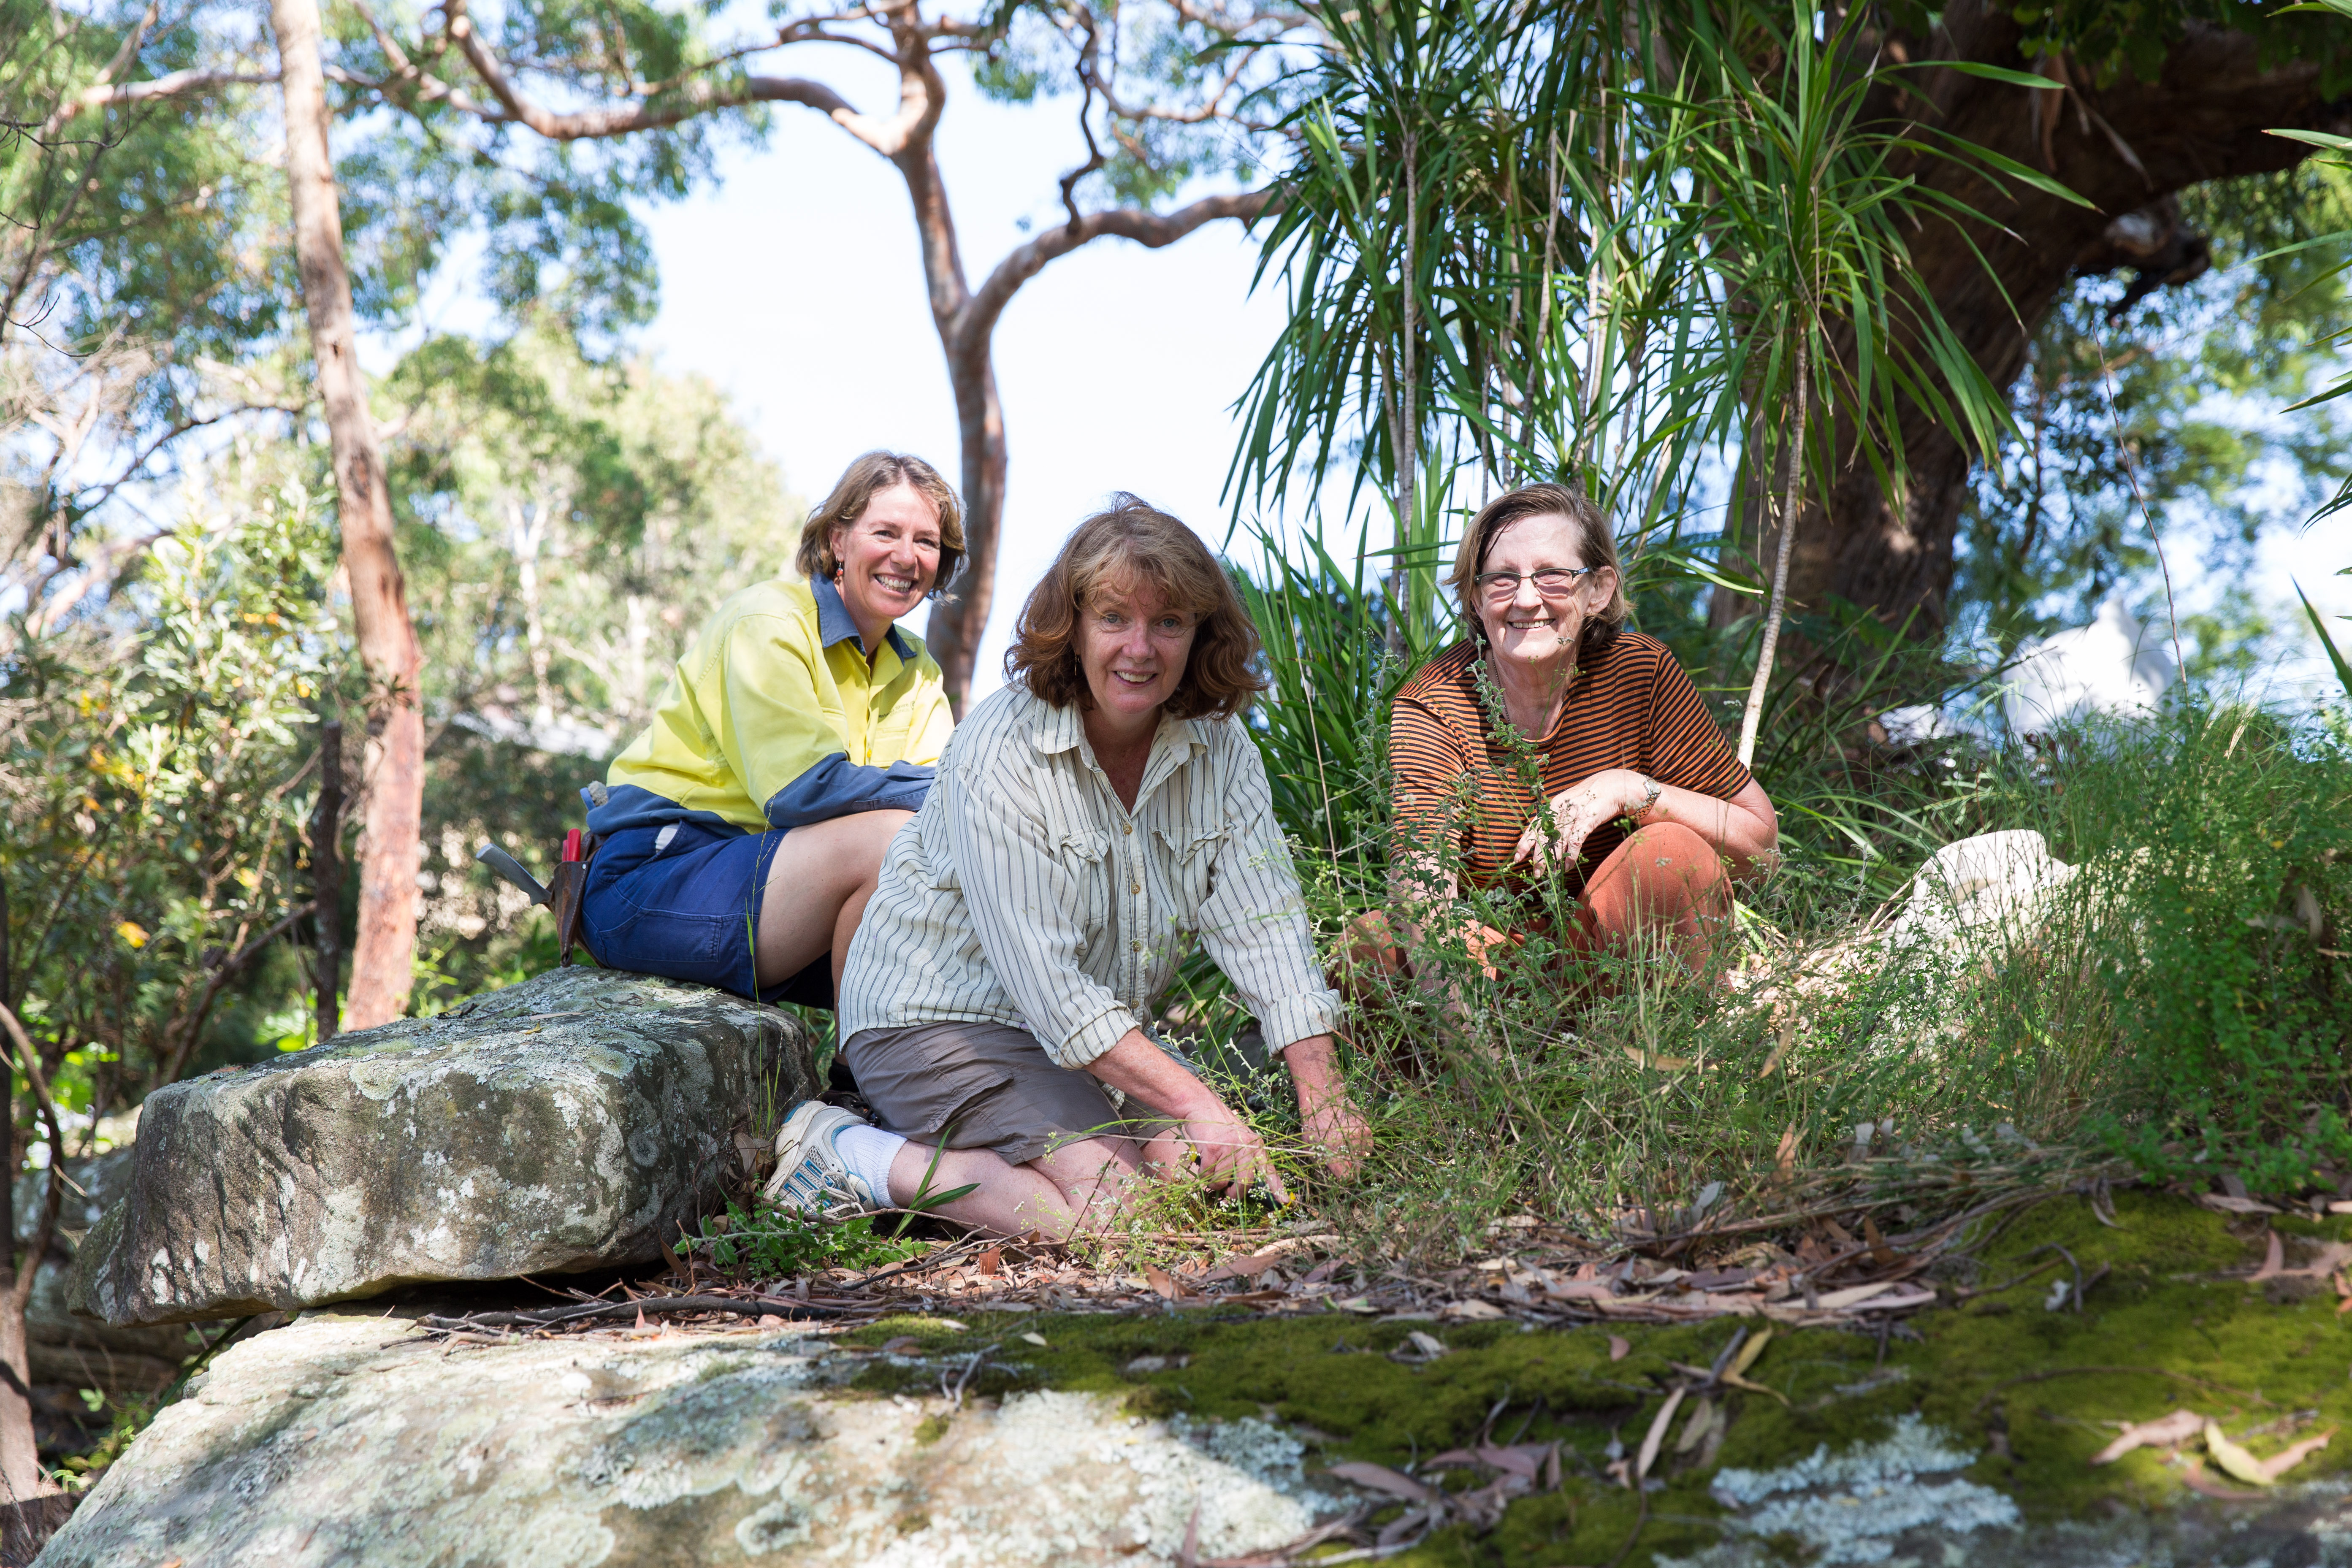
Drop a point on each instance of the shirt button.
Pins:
(1127, 827)
(1135, 887)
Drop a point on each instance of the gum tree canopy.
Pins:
(2155, 96)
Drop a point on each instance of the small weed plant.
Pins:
(769, 1243)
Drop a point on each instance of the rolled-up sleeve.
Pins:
(1253, 921)
(1022, 898)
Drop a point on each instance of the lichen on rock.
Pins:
(572, 1121)
(361, 1441)
(1852, 1507)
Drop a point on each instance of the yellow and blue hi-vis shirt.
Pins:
(774, 719)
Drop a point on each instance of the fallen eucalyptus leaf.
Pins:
(2203, 1485)
(1381, 1478)
(1657, 1434)
(1750, 1353)
(2234, 1459)
(1695, 1430)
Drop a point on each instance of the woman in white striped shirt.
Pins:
(1103, 805)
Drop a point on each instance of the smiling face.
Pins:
(1134, 647)
(890, 558)
(1528, 626)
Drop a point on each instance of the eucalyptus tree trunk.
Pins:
(22, 1479)
(20, 1456)
(327, 879)
(384, 946)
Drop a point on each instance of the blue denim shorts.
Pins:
(682, 901)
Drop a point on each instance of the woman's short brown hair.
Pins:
(1594, 540)
(863, 479)
(1132, 545)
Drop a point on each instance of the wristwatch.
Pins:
(1649, 800)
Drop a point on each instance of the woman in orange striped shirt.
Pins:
(1552, 700)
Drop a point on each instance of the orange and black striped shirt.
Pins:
(1629, 707)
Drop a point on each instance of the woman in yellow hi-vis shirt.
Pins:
(742, 832)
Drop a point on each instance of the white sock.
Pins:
(867, 1151)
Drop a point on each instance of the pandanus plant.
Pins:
(1616, 243)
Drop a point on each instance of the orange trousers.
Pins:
(1664, 893)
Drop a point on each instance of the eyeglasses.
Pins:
(1551, 582)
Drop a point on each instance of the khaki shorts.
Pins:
(985, 1086)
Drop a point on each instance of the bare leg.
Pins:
(1076, 1188)
(817, 888)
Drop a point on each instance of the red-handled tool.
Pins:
(562, 895)
(565, 888)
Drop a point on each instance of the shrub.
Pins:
(2220, 849)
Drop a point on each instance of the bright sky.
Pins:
(795, 284)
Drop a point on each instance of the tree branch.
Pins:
(176, 84)
(978, 318)
(886, 136)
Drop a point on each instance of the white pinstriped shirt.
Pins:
(1024, 893)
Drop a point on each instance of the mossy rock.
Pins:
(2024, 1395)
(574, 1121)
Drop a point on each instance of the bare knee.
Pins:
(844, 852)
(869, 836)
(1669, 855)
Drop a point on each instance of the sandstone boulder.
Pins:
(573, 1122)
(361, 1442)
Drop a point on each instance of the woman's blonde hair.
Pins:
(863, 479)
(1594, 540)
(1131, 545)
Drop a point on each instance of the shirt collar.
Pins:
(1064, 729)
(833, 623)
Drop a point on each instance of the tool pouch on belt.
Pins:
(565, 887)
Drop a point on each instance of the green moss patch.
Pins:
(2034, 1392)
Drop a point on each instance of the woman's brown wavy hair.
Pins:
(1131, 545)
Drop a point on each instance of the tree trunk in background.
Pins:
(16, 1408)
(327, 878)
(20, 1459)
(2205, 118)
(955, 628)
(386, 944)
(21, 1478)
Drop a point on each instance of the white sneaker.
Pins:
(811, 1178)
